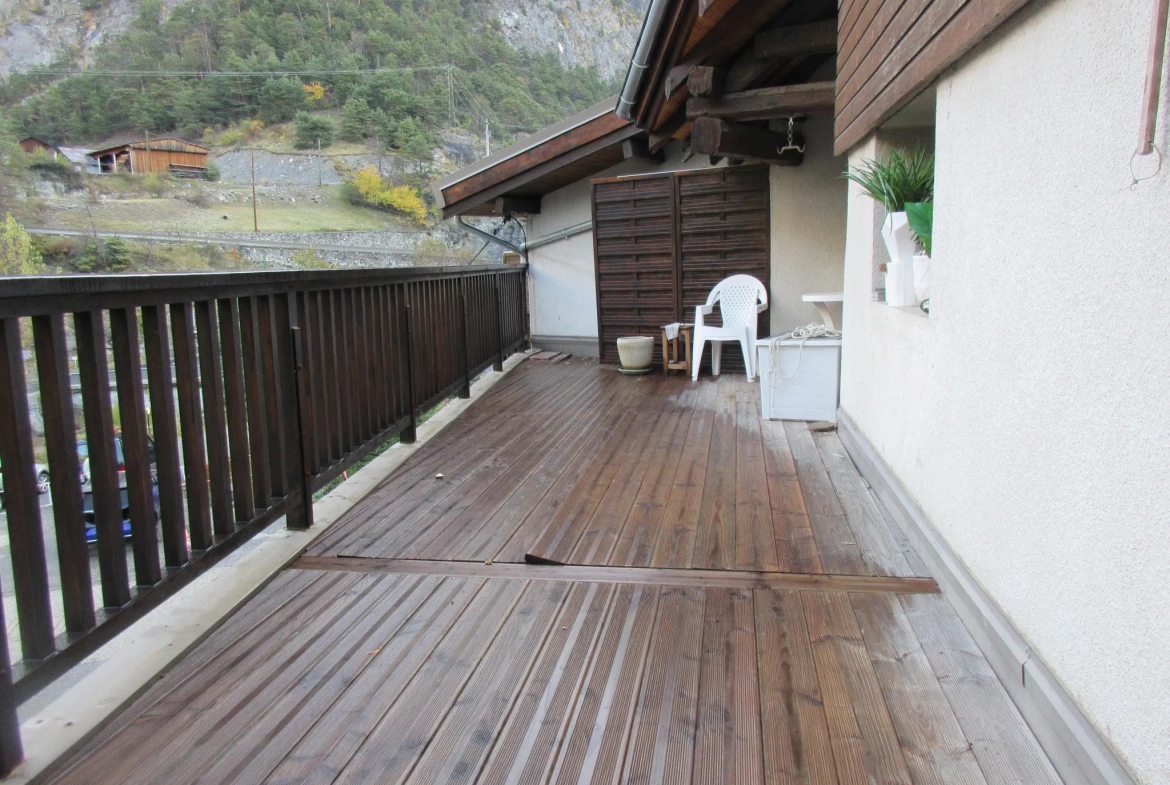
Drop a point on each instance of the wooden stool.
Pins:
(670, 358)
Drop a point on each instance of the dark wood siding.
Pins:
(889, 50)
(662, 242)
(633, 244)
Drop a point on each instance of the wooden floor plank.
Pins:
(879, 547)
(530, 742)
(755, 545)
(653, 576)
(865, 746)
(838, 549)
(675, 544)
(635, 542)
(932, 741)
(715, 528)
(796, 738)
(796, 547)
(736, 609)
(1006, 750)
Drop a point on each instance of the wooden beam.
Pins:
(511, 205)
(705, 82)
(714, 137)
(638, 147)
(734, 30)
(767, 103)
(810, 39)
(675, 78)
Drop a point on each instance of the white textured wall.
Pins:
(1029, 415)
(808, 204)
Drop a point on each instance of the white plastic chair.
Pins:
(740, 298)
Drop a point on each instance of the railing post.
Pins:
(465, 390)
(305, 518)
(499, 364)
(299, 511)
(411, 432)
(26, 538)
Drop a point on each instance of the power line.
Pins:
(205, 74)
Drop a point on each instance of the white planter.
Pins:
(900, 284)
(899, 239)
(922, 276)
(636, 352)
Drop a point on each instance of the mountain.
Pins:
(201, 64)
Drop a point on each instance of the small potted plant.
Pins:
(894, 181)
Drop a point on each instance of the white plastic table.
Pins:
(820, 301)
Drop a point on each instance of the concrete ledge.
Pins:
(129, 664)
(578, 345)
(1076, 748)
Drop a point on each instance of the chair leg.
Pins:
(697, 357)
(747, 358)
(716, 356)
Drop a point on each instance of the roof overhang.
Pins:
(713, 73)
(514, 178)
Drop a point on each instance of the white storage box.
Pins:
(811, 393)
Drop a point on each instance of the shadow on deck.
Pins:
(735, 609)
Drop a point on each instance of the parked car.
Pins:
(42, 482)
(87, 486)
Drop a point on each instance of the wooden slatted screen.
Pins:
(634, 254)
(662, 242)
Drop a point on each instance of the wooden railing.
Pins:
(260, 388)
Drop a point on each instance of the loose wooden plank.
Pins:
(619, 574)
(932, 742)
(865, 746)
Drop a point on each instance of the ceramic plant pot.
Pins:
(636, 352)
(900, 284)
(922, 276)
(899, 239)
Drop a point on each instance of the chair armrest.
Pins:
(701, 311)
(761, 307)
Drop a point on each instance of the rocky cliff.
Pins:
(598, 33)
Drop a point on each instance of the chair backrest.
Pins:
(738, 298)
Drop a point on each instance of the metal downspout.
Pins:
(641, 58)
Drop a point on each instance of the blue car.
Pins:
(87, 488)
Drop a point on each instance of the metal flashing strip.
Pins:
(1076, 748)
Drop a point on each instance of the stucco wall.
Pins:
(808, 204)
(808, 240)
(1029, 415)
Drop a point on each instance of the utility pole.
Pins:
(487, 139)
(318, 162)
(255, 220)
(149, 158)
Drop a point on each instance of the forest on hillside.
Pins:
(388, 66)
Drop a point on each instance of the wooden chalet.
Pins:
(31, 144)
(165, 155)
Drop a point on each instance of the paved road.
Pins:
(179, 238)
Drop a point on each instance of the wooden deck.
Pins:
(733, 608)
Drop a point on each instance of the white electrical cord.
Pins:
(802, 334)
